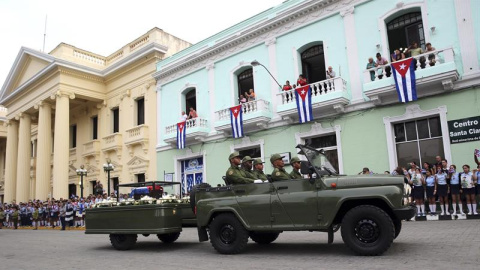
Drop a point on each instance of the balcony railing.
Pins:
(248, 109)
(73, 153)
(196, 130)
(113, 142)
(318, 89)
(137, 135)
(191, 123)
(91, 148)
(256, 115)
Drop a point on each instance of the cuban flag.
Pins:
(304, 103)
(404, 75)
(181, 129)
(236, 119)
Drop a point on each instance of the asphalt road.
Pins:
(421, 245)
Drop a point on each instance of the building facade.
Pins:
(71, 107)
(358, 119)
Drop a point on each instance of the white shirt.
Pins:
(467, 180)
(183, 118)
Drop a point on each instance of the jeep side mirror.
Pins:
(305, 167)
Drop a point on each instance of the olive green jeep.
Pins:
(368, 209)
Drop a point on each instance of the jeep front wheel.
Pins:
(227, 234)
(263, 238)
(123, 241)
(168, 238)
(367, 230)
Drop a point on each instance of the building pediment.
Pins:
(137, 162)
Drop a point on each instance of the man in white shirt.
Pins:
(184, 117)
(330, 73)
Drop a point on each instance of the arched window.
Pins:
(313, 63)
(245, 81)
(403, 30)
(190, 100)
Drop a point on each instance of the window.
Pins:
(405, 29)
(94, 127)
(190, 100)
(92, 185)
(245, 82)
(140, 111)
(313, 64)
(140, 177)
(255, 152)
(73, 136)
(418, 140)
(116, 120)
(329, 144)
(114, 182)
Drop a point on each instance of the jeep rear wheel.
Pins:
(168, 238)
(123, 241)
(227, 234)
(367, 230)
(263, 238)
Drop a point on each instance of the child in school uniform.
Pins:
(418, 182)
(442, 190)
(431, 187)
(467, 179)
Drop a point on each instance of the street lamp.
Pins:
(108, 167)
(256, 63)
(82, 172)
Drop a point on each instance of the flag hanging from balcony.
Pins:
(304, 103)
(181, 130)
(404, 75)
(236, 118)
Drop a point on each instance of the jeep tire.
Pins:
(227, 234)
(168, 238)
(123, 241)
(263, 238)
(192, 194)
(367, 230)
(398, 226)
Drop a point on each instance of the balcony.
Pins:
(256, 115)
(73, 154)
(328, 97)
(91, 149)
(113, 142)
(435, 74)
(137, 136)
(197, 130)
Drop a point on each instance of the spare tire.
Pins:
(192, 194)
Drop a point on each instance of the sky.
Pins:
(104, 26)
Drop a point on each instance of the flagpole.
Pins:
(44, 34)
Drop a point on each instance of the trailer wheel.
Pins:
(123, 241)
(168, 238)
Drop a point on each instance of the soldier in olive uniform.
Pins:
(279, 172)
(258, 169)
(295, 174)
(234, 175)
(247, 167)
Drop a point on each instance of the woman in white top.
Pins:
(442, 190)
(431, 183)
(467, 179)
(417, 180)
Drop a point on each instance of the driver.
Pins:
(279, 172)
(296, 164)
(234, 175)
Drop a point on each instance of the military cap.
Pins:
(294, 159)
(246, 158)
(275, 157)
(234, 154)
(257, 161)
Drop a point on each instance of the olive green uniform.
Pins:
(280, 174)
(295, 174)
(236, 176)
(249, 173)
(259, 175)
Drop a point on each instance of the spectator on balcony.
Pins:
(382, 61)
(287, 86)
(431, 57)
(183, 117)
(250, 95)
(414, 50)
(242, 99)
(371, 64)
(192, 114)
(397, 55)
(301, 81)
(330, 73)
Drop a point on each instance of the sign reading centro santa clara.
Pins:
(464, 130)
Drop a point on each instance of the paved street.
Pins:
(421, 245)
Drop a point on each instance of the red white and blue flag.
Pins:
(181, 130)
(404, 75)
(236, 118)
(304, 103)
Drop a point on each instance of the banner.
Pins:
(236, 119)
(464, 130)
(404, 76)
(304, 103)
(181, 130)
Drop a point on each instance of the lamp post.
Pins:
(82, 172)
(256, 63)
(108, 167)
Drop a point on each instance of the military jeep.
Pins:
(368, 209)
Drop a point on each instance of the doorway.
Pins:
(313, 64)
(191, 173)
(72, 190)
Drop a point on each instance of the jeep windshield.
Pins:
(317, 159)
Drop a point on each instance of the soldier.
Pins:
(295, 174)
(234, 175)
(247, 167)
(279, 172)
(258, 169)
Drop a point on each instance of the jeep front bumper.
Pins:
(405, 213)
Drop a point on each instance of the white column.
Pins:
(24, 158)
(44, 151)
(211, 93)
(466, 39)
(352, 55)
(272, 65)
(60, 144)
(11, 162)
